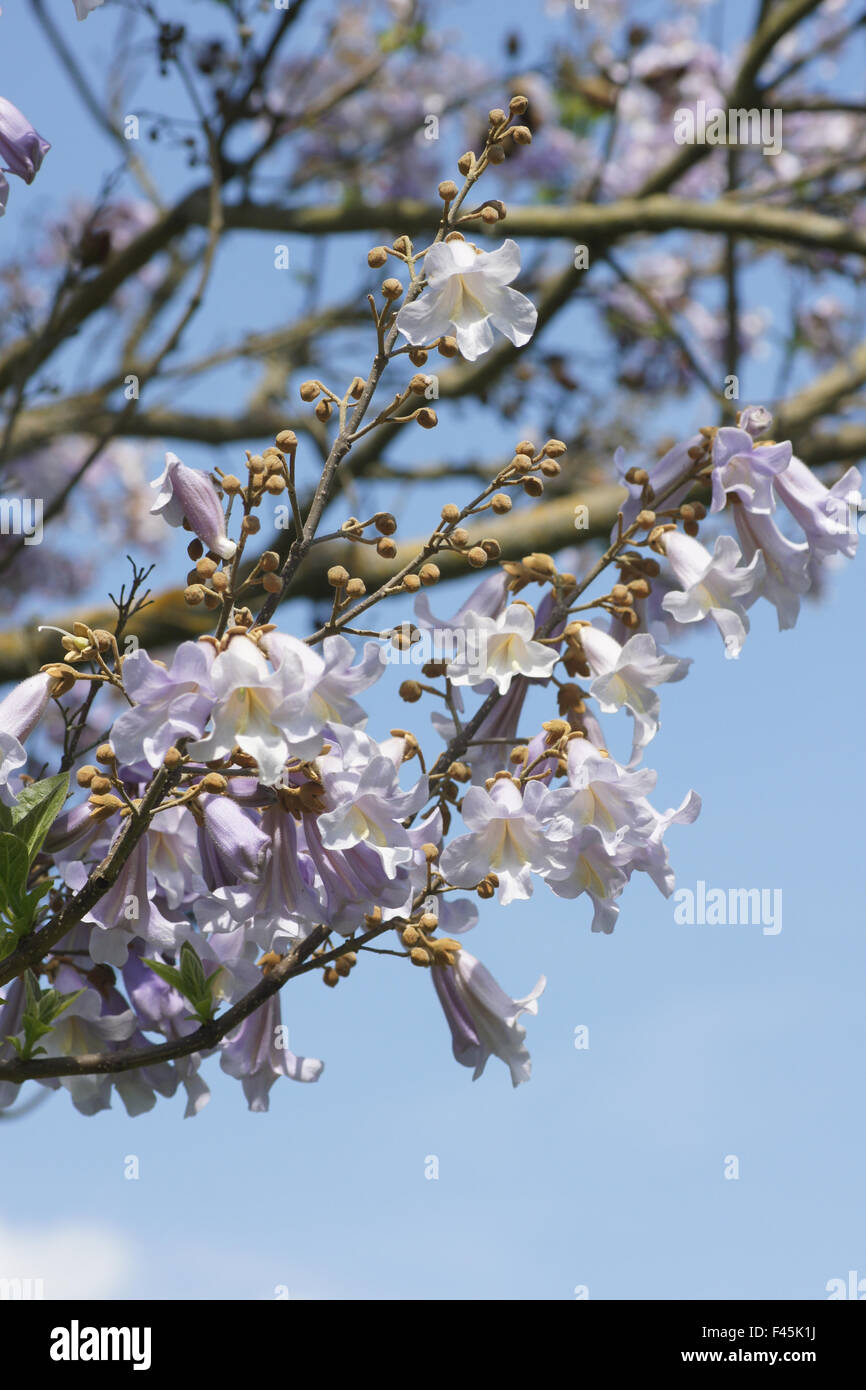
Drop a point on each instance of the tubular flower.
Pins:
(483, 1018)
(712, 585)
(188, 495)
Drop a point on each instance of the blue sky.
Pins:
(607, 1170)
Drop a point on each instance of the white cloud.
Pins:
(72, 1260)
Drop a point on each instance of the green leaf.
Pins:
(36, 809)
(191, 972)
(166, 972)
(14, 867)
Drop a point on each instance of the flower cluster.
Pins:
(236, 822)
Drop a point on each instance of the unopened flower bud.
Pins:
(518, 104)
(308, 391)
(533, 487)
(410, 691)
(522, 135)
(85, 775)
(429, 574)
(323, 410)
(356, 588)
(465, 162)
(496, 116)
(391, 288)
(193, 594)
(377, 257)
(386, 548)
(214, 783)
(448, 190)
(286, 440)
(477, 557)
(447, 346)
(427, 419)
(338, 576)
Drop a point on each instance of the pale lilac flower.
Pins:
(503, 648)
(22, 148)
(23, 707)
(233, 847)
(746, 469)
(786, 563)
(624, 677)
(368, 807)
(169, 703)
(11, 1010)
(333, 685)
(265, 712)
(605, 795)
(587, 866)
(258, 1054)
(87, 1026)
(188, 495)
(506, 836)
(649, 855)
(161, 1009)
(824, 514)
(281, 904)
(755, 420)
(712, 585)
(467, 295)
(483, 1018)
(129, 909)
(20, 712)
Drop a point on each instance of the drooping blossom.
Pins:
(711, 586)
(482, 1018)
(185, 494)
(746, 470)
(22, 149)
(624, 677)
